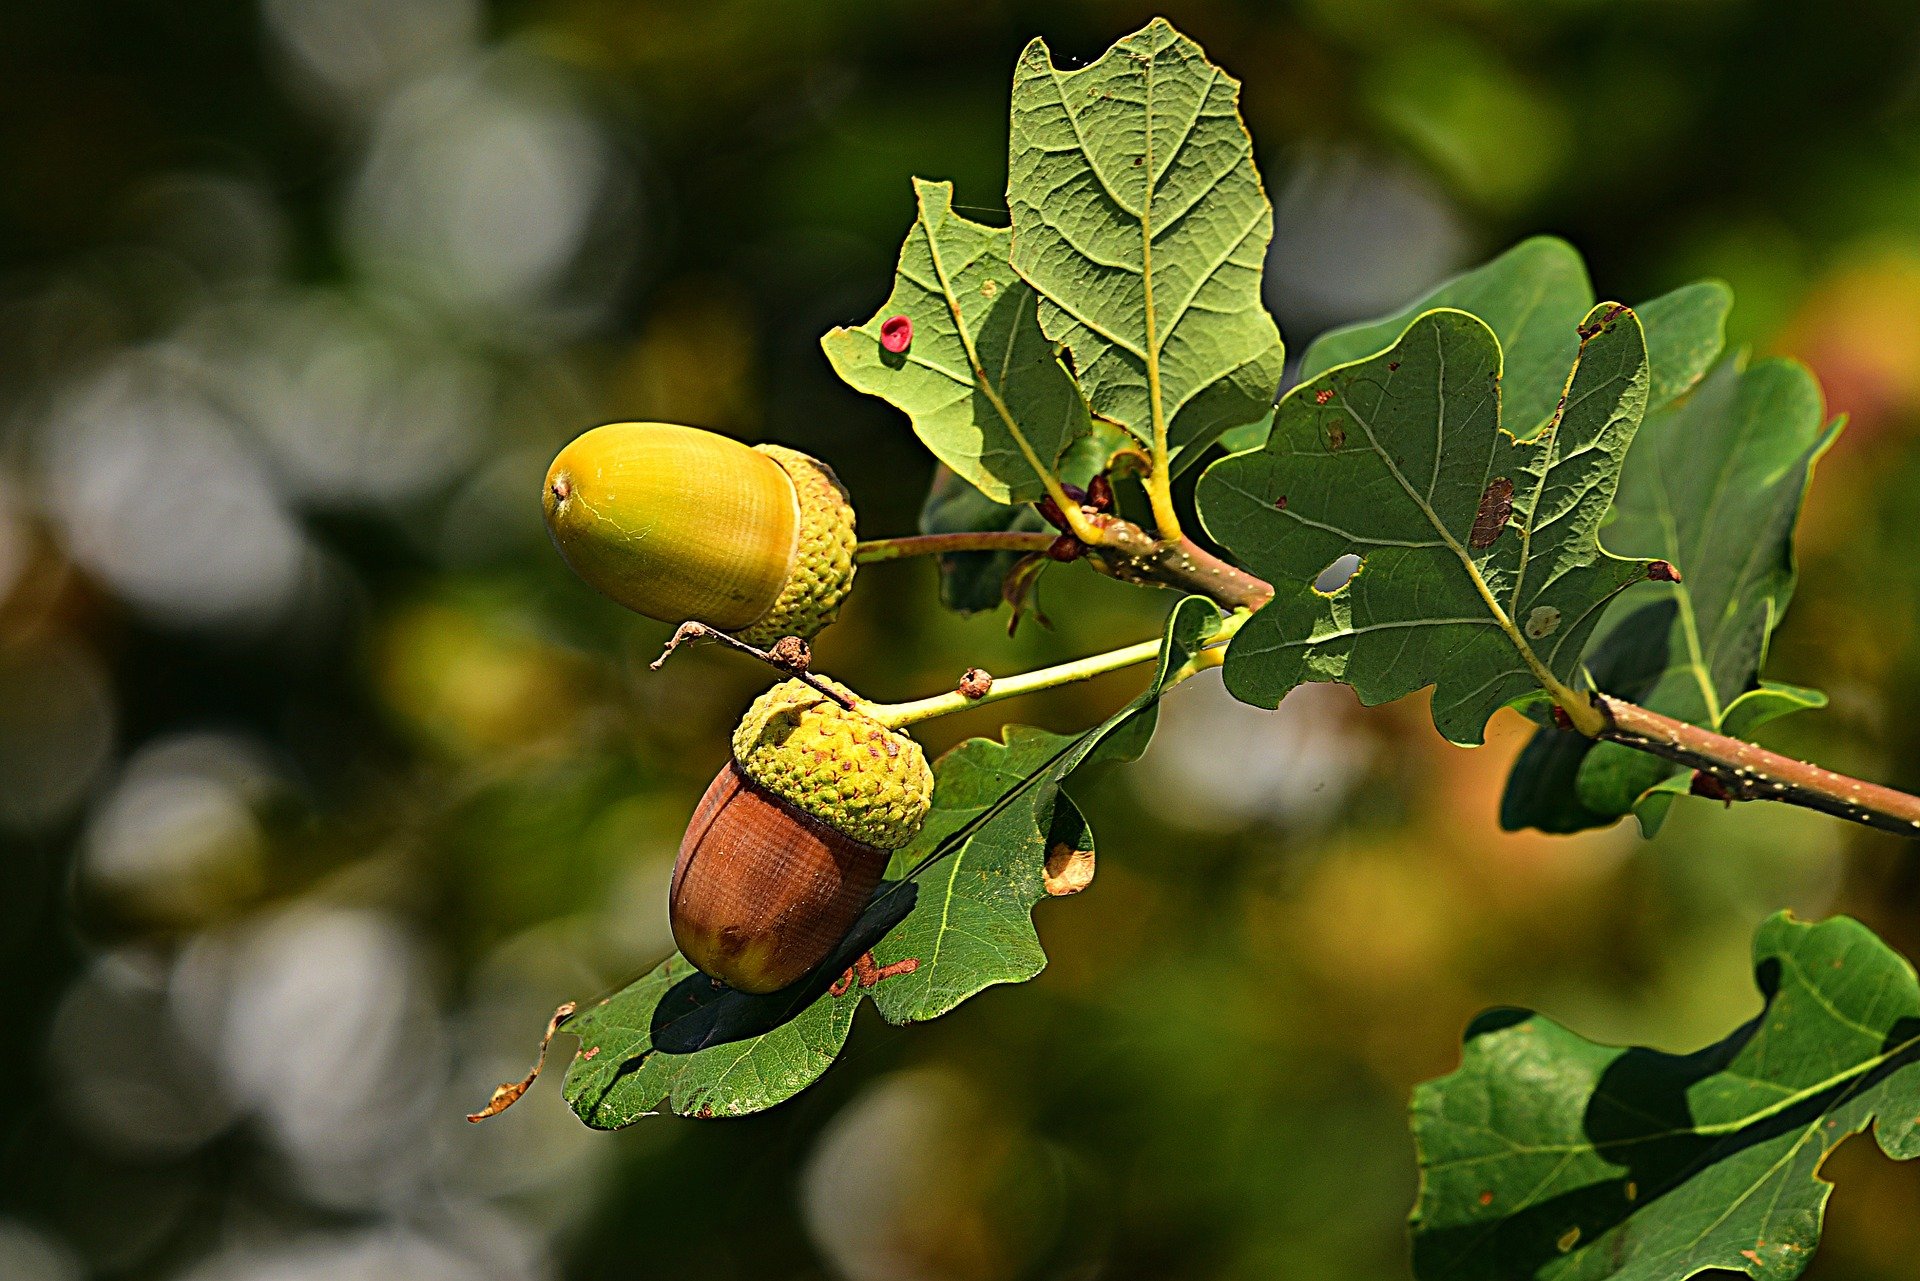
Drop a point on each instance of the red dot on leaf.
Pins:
(896, 333)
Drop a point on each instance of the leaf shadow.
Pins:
(1640, 1120)
(698, 1012)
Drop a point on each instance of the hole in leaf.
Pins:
(1337, 575)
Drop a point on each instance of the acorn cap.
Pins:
(682, 524)
(842, 767)
(821, 572)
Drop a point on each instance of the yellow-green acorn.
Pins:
(682, 524)
(791, 838)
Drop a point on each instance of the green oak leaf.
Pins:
(1713, 484)
(1139, 217)
(1547, 1157)
(984, 388)
(1686, 330)
(941, 931)
(672, 1037)
(1532, 297)
(1480, 563)
(972, 927)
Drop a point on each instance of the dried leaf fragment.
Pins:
(505, 1096)
(1068, 870)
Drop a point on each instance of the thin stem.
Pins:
(1132, 555)
(880, 549)
(1005, 687)
(1080, 669)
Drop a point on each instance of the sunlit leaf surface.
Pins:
(1139, 217)
(983, 386)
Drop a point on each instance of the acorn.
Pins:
(682, 524)
(791, 838)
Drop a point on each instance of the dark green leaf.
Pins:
(1713, 484)
(1685, 331)
(973, 926)
(1480, 562)
(1533, 297)
(1547, 1157)
(970, 581)
(937, 935)
(1139, 217)
(984, 388)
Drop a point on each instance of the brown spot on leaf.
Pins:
(906, 965)
(1662, 571)
(1486, 1198)
(1336, 436)
(1280, 503)
(1600, 326)
(1068, 870)
(1496, 508)
(1392, 365)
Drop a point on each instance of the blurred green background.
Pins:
(322, 782)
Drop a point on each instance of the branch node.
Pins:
(789, 654)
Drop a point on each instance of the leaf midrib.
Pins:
(1539, 670)
(1027, 451)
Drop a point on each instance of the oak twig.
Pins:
(1746, 772)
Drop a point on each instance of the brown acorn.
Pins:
(791, 838)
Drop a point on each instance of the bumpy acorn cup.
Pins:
(682, 524)
(790, 840)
